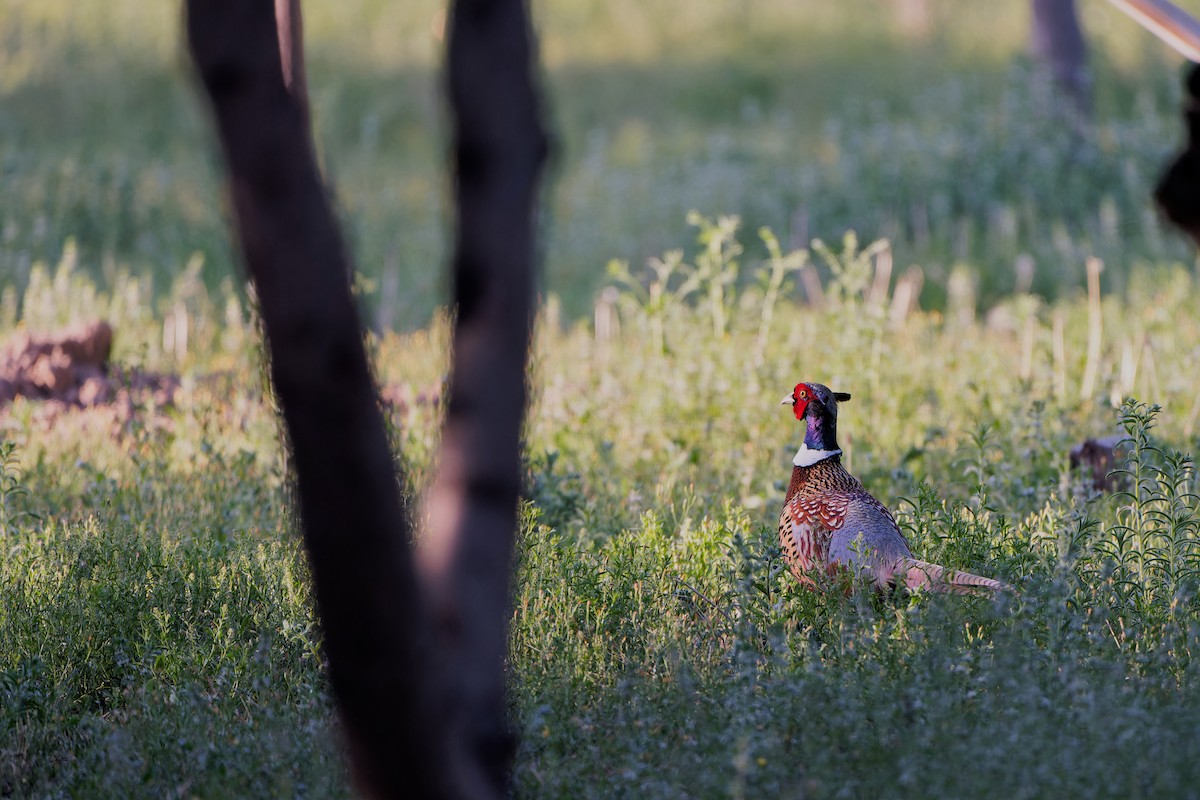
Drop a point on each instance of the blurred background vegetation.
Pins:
(807, 116)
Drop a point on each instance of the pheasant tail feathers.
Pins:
(936, 578)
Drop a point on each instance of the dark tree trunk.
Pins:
(417, 672)
(375, 635)
(499, 148)
(1058, 47)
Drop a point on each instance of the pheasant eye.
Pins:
(803, 394)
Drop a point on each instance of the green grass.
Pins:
(157, 636)
(157, 631)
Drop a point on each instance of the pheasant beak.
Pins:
(788, 401)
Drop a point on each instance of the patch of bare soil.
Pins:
(71, 369)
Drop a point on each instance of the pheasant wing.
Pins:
(806, 528)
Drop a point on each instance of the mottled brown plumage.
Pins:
(829, 521)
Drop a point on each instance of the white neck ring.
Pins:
(806, 457)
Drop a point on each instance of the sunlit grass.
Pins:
(658, 643)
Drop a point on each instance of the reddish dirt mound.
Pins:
(71, 368)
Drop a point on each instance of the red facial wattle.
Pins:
(801, 396)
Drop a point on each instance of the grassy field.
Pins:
(156, 631)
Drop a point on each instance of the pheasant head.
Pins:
(816, 406)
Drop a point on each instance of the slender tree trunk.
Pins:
(466, 557)
(1058, 46)
(375, 636)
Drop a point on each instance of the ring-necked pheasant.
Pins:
(829, 521)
